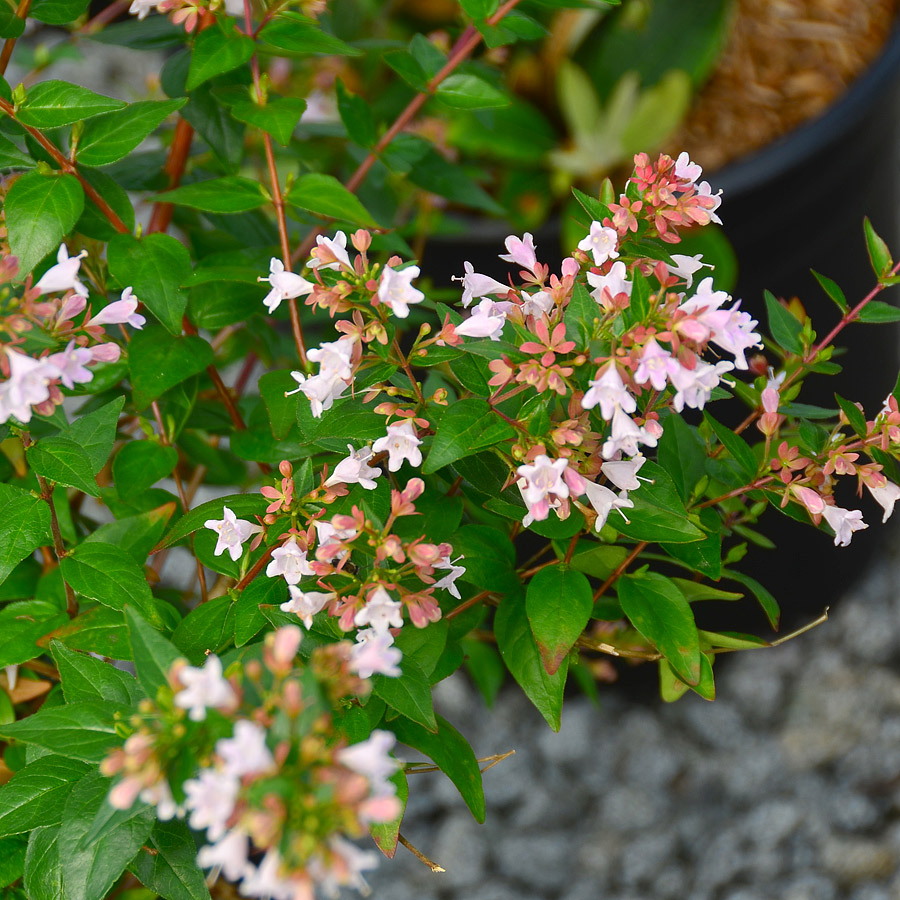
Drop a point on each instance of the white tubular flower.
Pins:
(355, 469)
(331, 253)
(685, 169)
(210, 798)
(653, 365)
(476, 286)
(521, 251)
(70, 363)
(160, 796)
(886, 496)
(232, 533)
(606, 287)
(542, 486)
(320, 390)
(28, 384)
(122, 312)
(605, 501)
(381, 613)
(245, 752)
(374, 654)
(843, 522)
(623, 472)
(140, 8)
(229, 853)
(266, 881)
(285, 285)
(396, 292)
(487, 320)
(625, 435)
(290, 562)
(371, 758)
(401, 444)
(601, 242)
(686, 266)
(448, 582)
(610, 392)
(537, 304)
(305, 604)
(204, 689)
(347, 864)
(64, 275)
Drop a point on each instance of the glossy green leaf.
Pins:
(84, 731)
(40, 211)
(467, 91)
(95, 432)
(763, 596)
(206, 629)
(11, 157)
(659, 611)
(136, 535)
(297, 34)
(231, 194)
(36, 795)
(783, 325)
(879, 253)
(466, 427)
(43, 866)
(736, 446)
(451, 753)
(167, 864)
(155, 267)
(853, 414)
(214, 123)
(57, 12)
(877, 312)
(520, 653)
(356, 114)
(279, 117)
(158, 362)
(489, 558)
(106, 574)
(248, 620)
(85, 677)
(98, 630)
(153, 655)
(409, 694)
(22, 625)
(108, 138)
(62, 461)
(52, 104)
(832, 289)
(558, 602)
(216, 51)
(24, 526)
(12, 859)
(325, 196)
(658, 514)
(140, 464)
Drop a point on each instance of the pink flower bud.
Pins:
(286, 643)
(72, 307)
(285, 468)
(813, 501)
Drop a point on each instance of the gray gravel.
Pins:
(786, 788)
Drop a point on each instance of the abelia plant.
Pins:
(523, 474)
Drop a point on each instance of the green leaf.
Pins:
(737, 447)
(558, 602)
(466, 427)
(11, 157)
(215, 52)
(659, 611)
(159, 362)
(854, 415)
(214, 123)
(297, 34)
(95, 432)
(43, 866)
(140, 464)
(89, 872)
(387, 835)
(57, 12)
(12, 859)
(168, 863)
(36, 795)
(466, 91)
(106, 574)
(658, 514)
(732, 640)
(40, 210)
(22, 625)
(279, 117)
(523, 659)
(876, 312)
(108, 138)
(155, 267)
(242, 505)
(62, 461)
(409, 694)
(11, 26)
(84, 731)
(52, 104)
(479, 9)
(580, 315)
(696, 590)
(783, 325)
(99, 630)
(325, 196)
(879, 254)
(451, 753)
(683, 454)
(88, 678)
(231, 194)
(206, 629)
(408, 68)
(765, 599)
(282, 410)
(137, 535)
(356, 114)
(832, 289)
(489, 558)
(153, 655)
(24, 526)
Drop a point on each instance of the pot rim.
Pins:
(817, 135)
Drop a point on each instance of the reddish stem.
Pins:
(104, 17)
(175, 165)
(255, 570)
(9, 43)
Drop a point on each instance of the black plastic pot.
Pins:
(795, 205)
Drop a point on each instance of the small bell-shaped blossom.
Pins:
(886, 495)
(695, 386)
(653, 365)
(487, 320)
(705, 190)
(232, 533)
(601, 242)
(306, 604)
(448, 582)
(334, 376)
(396, 292)
(72, 306)
(28, 385)
(623, 472)
(108, 352)
(732, 330)
(686, 169)
(64, 275)
(371, 758)
(285, 285)
(245, 752)
(401, 444)
(70, 363)
(204, 689)
(537, 304)
(210, 798)
(607, 287)
(289, 561)
(160, 796)
(320, 390)
(229, 854)
(122, 312)
(543, 481)
(604, 501)
(355, 469)
(476, 286)
(687, 266)
(521, 251)
(609, 391)
(141, 8)
(330, 539)
(381, 612)
(331, 253)
(843, 522)
(374, 654)
(266, 881)
(625, 435)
